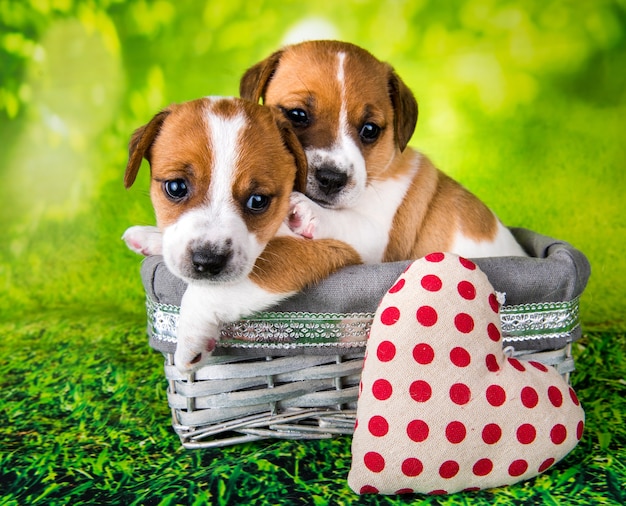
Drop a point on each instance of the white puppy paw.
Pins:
(144, 240)
(302, 219)
(194, 352)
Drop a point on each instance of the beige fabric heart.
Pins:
(441, 408)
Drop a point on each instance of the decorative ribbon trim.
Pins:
(284, 330)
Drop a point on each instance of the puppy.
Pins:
(222, 171)
(354, 117)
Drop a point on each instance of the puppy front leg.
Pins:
(145, 241)
(198, 328)
(286, 266)
(204, 308)
(365, 228)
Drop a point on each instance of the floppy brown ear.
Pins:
(292, 143)
(140, 144)
(405, 109)
(254, 82)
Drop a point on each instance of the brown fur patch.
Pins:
(434, 208)
(290, 264)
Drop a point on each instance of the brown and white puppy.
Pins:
(354, 117)
(222, 172)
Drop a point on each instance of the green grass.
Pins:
(83, 409)
(85, 421)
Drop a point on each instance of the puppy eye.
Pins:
(369, 132)
(298, 117)
(176, 189)
(257, 204)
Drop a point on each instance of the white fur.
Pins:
(364, 226)
(204, 308)
(504, 244)
(144, 240)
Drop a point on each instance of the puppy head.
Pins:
(222, 171)
(351, 112)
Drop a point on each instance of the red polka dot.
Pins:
(390, 315)
(580, 428)
(417, 430)
(555, 396)
(464, 323)
(538, 365)
(460, 357)
(518, 467)
(471, 489)
(378, 426)
(493, 303)
(438, 492)
(558, 434)
(517, 364)
(427, 316)
(368, 489)
(492, 363)
(468, 264)
(386, 351)
(529, 397)
(431, 283)
(435, 257)
(491, 433)
(423, 353)
(398, 286)
(420, 391)
(482, 467)
(412, 467)
(493, 332)
(546, 464)
(382, 389)
(374, 462)
(455, 432)
(448, 469)
(496, 396)
(526, 433)
(404, 491)
(460, 393)
(466, 290)
(573, 396)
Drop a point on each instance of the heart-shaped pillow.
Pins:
(441, 408)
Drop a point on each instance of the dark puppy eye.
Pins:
(369, 132)
(176, 189)
(298, 117)
(256, 204)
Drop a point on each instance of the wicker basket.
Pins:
(293, 373)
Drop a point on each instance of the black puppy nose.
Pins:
(330, 181)
(209, 262)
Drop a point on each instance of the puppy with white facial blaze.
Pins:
(222, 172)
(354, 116)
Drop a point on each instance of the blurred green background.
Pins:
(524, 102)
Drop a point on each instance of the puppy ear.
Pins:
(254, 82)
(290, 139)
(140, 144)
(405, 109)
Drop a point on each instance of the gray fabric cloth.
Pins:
(555, 272)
